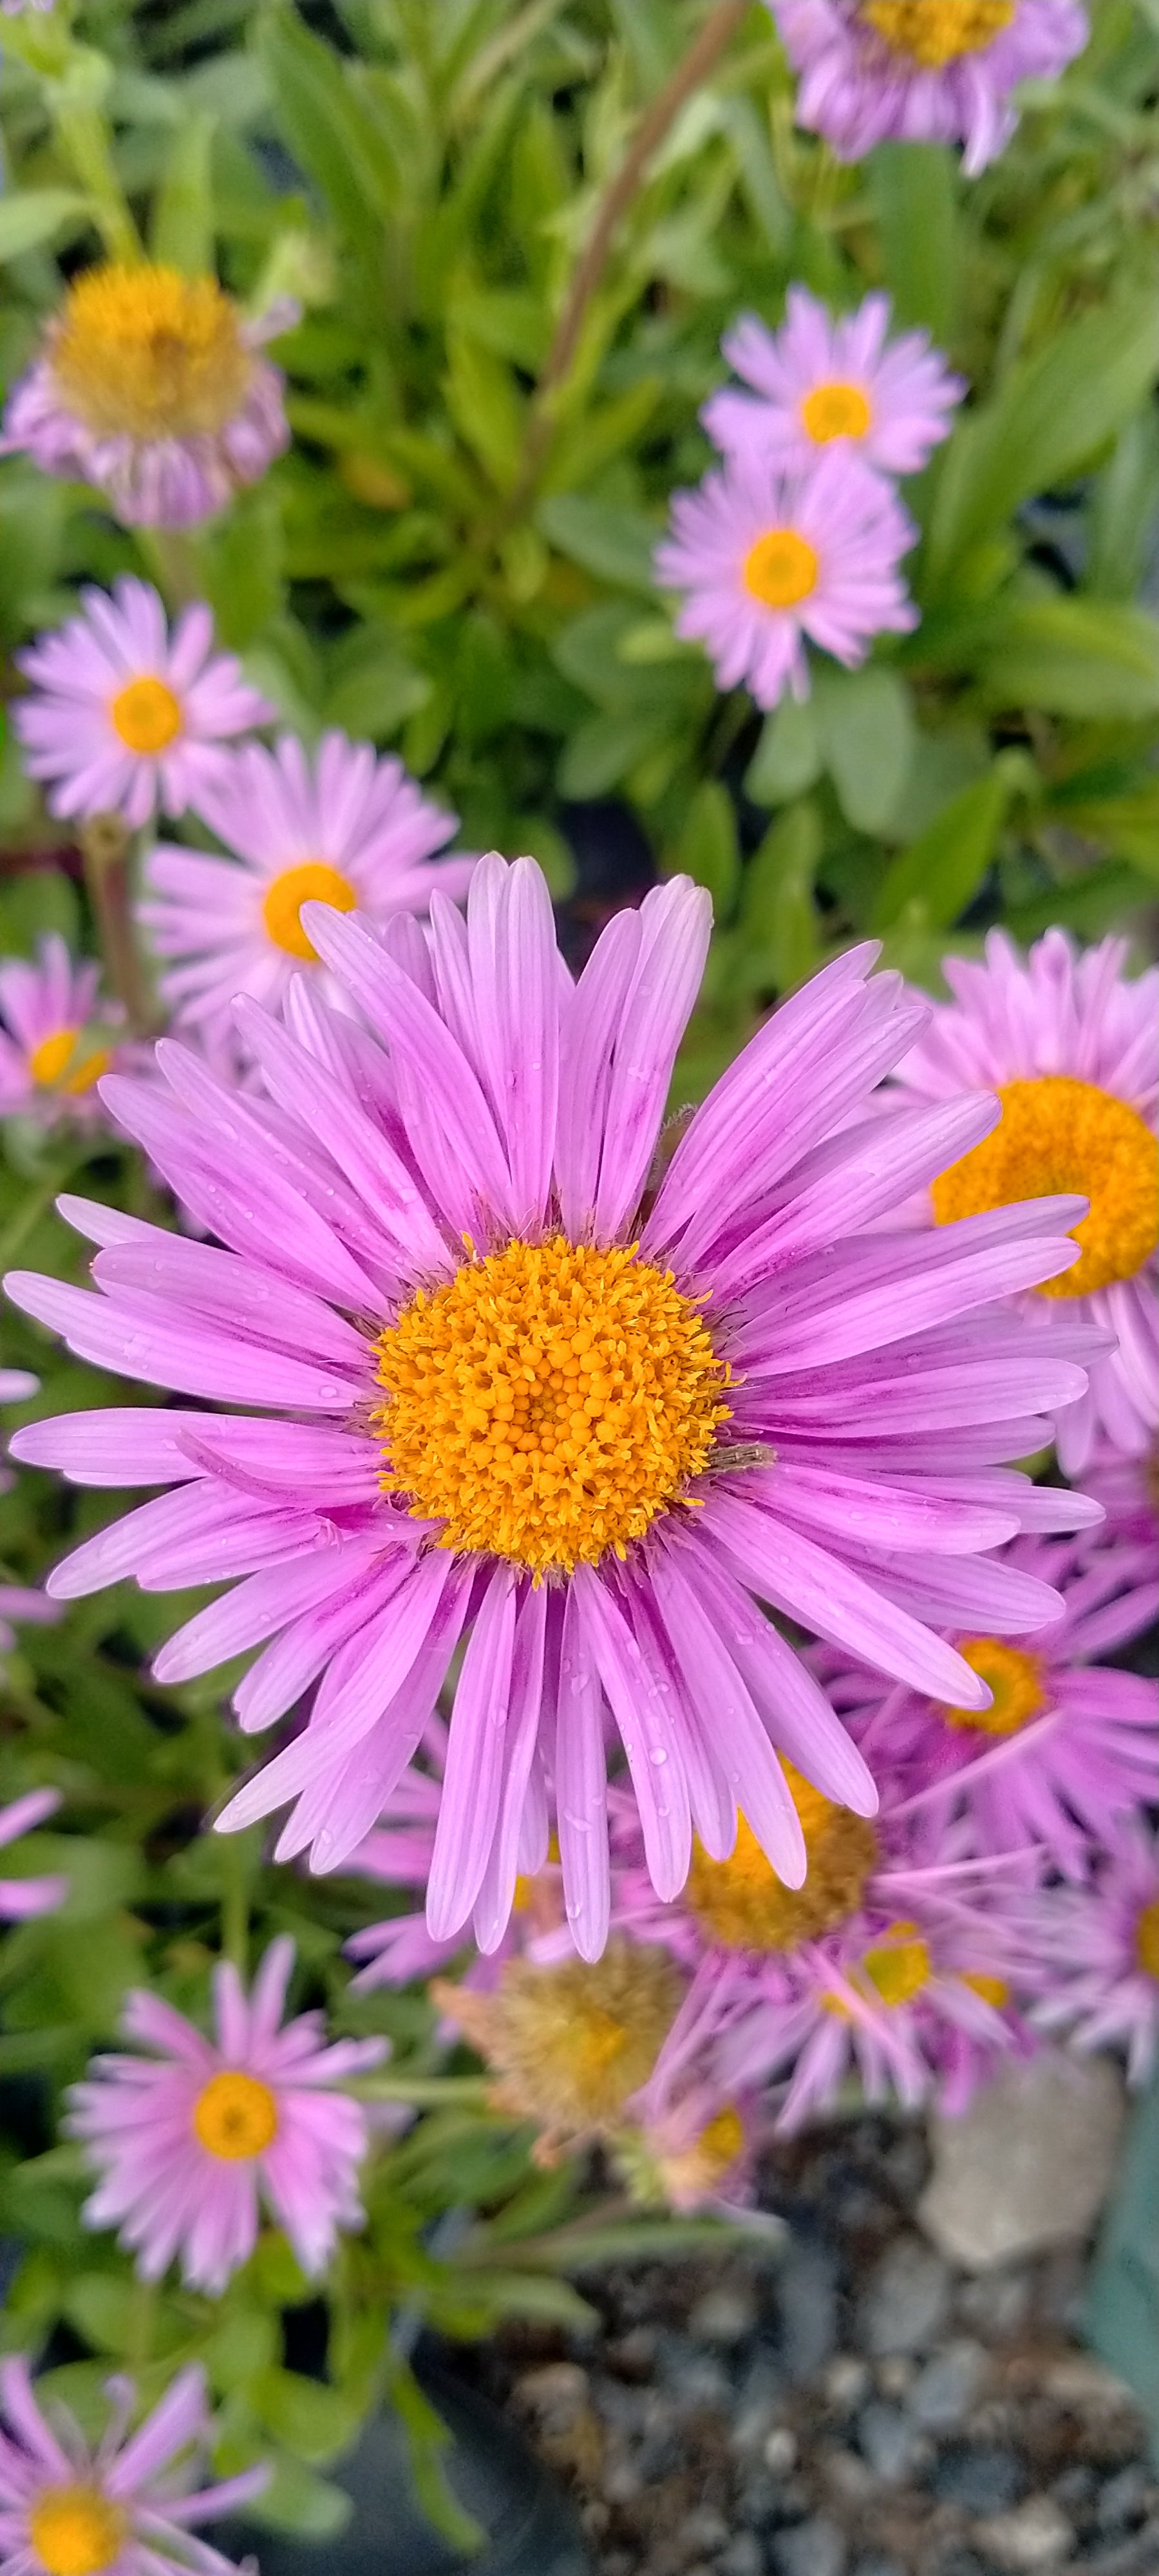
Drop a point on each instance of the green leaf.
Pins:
(30, 905)
(1089, 658)
(182, 231)
(788, 759)
(1053, 413)
(778, 914)
(1122, 2318)
(1128, 825)
(943, 869)
(485, 405)
(101, 2306)
(374, 688)
(1122, 513)
(615, 544)
(244, 557)
(325, 123)
(298, 2501)
(29, 216)
(707, 847)
(866, 729)
(602, 751)
(316, 2422)
(914, 192)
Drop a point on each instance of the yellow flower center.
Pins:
(235, 2116)
(898, 1967)
(548, 1402)
(147, 353)
(741, 1902)
(836, 411)
(993, 1990)
(1147, 1939)
(146, 715)
(76, 2531)
(1059, 1135)
(570, 2045)
(1016, 1680)
(935, 32)
(683, 2176)
(52, 1065)
(781, 569)
(312, 882)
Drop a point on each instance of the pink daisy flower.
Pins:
(770, 559)
(1067, 1743)
(22, 1897)
(923, 71)
(1068, 1042)
(526, 1403)
(819, 381)
(124, 716)
(399, 1852)
(149, 386)
(52, 1054)
(124, 2509)
(1128, 1489)
(342, 828)
(1099, 1947)
(189, 2140)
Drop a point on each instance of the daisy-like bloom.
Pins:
(769, 559)
(818, 381)
(123, 716)
(126, 2508)
(188, 2141)
(1068, 1043)
(399, 1853)
(694, 2154)
(923, 71)
(1066, 1745)
(343, 828)
(22, 1897)
(150, 386)
(1099, 1951)
(569, 2046)
(51, 1054)
(1128, 1489)
(528, 1403)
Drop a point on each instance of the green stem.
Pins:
(142, 2318)
(426, 2092)
(106, 848)
(83, 137)
(172, 558)
(235, 1901)
(35, 1204)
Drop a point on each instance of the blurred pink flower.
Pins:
(821, 381)
(124, 2509)
(20, 1898)
(923, 71)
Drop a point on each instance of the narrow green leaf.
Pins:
(944, 867)
(866, 729)
(325, 124)
(602, 751)
(615, 544)
(914, 191)
(788, 759)
(1092, 658)
(29, 216)
(182, 231)
(778, 912)
(707, 848)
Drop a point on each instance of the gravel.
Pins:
(844, 2403)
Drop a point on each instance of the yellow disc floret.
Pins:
(781, 569)
(146, 353)
(235, 2116)
(312, 882)
(935, 32)
(836, 411)
(1060, 1135)
(58, 1063)
(568, 2046)
(145, 715)
(548, 1402)
(990, 1990)
(1016, 1679)
(76, 2531)
(1147, 1939)
(898, 1966)
(741, 1902)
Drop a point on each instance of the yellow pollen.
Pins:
(1059, 1135)
(1016, 1680)
(899, 1966)
(741, 1902)
(1147, 1939)
(682, 2176)
(53, 1065)
(548, 1402)
(312, 882)
(836, 411)
(569, 2045)
(147, 353)
(935, 32)
(235, 2116)
(781, 569)
(76, 2531)
(992, 1990)
(145, 715)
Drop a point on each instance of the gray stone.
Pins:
(943, 2393)
(888, 2440)
(1029, 2164)
(725, 2315)
(815, 2548)
(996, 2305)
(906, 2301)
(743, 2556)
(876, 2565)
(1138, 2556)
(806, 2291)
(978, 2476)
(1036, 2535)
(846, 2382)
(704, 2529)
(779, 2451)
(1124, 2498)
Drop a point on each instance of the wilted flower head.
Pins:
(188, 2140)
(569, 2046)
(769, 559)
(1098, 1950)
(22, 1897)
(123, 717)
(515, 1408)
(149, 386)
(53, 1048)
(1068, 1042)
(819, 381)
(342, 827)
(125, 2509)
(923, 71)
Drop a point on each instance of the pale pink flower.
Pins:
(819, 382)
(127, 2508)
(21, 1898)
(54, 1037)
(1098, 1950)
(923, 71)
